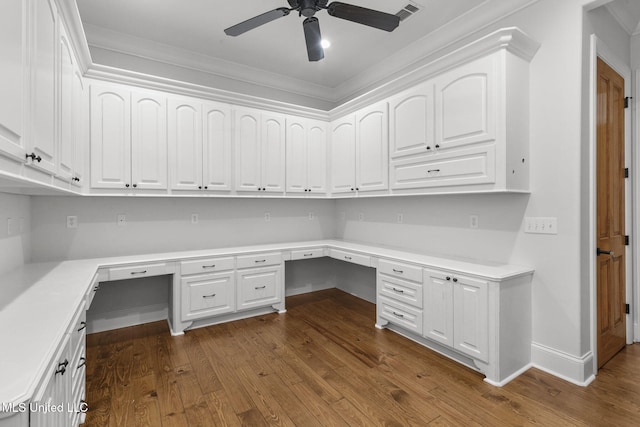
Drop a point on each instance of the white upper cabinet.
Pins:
(372, 148)
(14, 78)
(412, 121)
(67, 111)
(80, 128)
(185, 144)
(148, 141)
(216, 153)
(342, 141)
(43, 72)
(110, 137)
(306, 155)
(260, 151)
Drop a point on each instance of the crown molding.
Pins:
(71, 17)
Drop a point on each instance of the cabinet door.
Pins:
(272, 152)
(465, 104)
(297, 164)
(208, 295)
(216, 152)
(14, 78)
(372, 148)
(66, 140)
(43, 69)
(110, 137)
(438, 307)
(148, 141)
(470, 320)
(185, 144)
(411, 121)
(80, 127)
(317, 157)
(343, 155)
(247, 150)
(259, 287)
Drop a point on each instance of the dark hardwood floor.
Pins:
(324, 364)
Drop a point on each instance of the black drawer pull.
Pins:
(83, 326)
(400, 291)
(208, 296)
(307, 254)
(398, 315)
(133, 273)
(83, 362)
(347, 258)
(258, 261)
(209, 266)
(398, 271)
(433, 170)
(62, 367)
(260, 287)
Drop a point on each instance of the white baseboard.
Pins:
(308, 288)
(577, 370)
(124, 318)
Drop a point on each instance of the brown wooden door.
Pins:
(610, 214)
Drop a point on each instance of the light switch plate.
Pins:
(541, 225)
(72, 221)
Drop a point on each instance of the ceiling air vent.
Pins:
(407, 11)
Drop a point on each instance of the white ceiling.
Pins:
(190, 34)
(627, 13)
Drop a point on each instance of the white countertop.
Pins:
(38, 301)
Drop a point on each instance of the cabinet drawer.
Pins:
(259, 260)
(399, 314)
(78, 331)
(459, 167)
(208, 295)
(259, 287)
(101, 275)
(142, 270)
(398, 269)
(400, 290)
(207, 265)
(350, 257)
(307, 254)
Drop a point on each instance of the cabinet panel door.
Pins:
(412, 122)
(149, 141)
(110, 137)
(185, 144)
(471, 321)
(217, 146)
(372, 148)
(438, 307)
(296, 155)
(66, 135)
(272, 152)
(465, 104)
(80, 127)
(343, 155)
(14, 78)
(247, 150)
(43, 63)
(259, 287)
(208, 295)
(317, 157)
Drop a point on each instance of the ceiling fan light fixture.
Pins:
(325, 43)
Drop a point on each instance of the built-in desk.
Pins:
(42, 304)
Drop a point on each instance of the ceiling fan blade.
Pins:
(312, 36)
(256, 21)
(362, 15)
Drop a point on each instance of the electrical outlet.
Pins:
(361, 216)
(122, 219)
(195, 218)
(312, 216)
(473, 221)
(267, 216)
(541, 225)
(72, 221)
(400, 218)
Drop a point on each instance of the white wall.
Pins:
(164, 224)
(15, 231)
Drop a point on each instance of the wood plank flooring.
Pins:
(324, 364)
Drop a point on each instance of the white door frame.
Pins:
(598, 49)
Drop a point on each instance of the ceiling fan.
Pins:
(311, 25)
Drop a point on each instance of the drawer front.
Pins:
(79, 331)
(207, 265)
(142, 270)
(208, 295)
(398, 269)
(307, 254)
(462, 167)
(101, 275)
(259, 260)
(259, 287)
(400, 290)
(399, 314)
(350, 257)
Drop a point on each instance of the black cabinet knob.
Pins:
(437, 145)
(206, 188)
(455, 280)
(428, 147)
(199, 187)
(448, 278)
(126, 185)
(135, 185)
